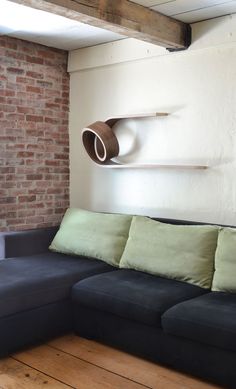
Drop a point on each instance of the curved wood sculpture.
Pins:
(101, 143)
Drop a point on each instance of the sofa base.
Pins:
(212, 364)
(34, 326)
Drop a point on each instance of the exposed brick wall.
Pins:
(34, 140)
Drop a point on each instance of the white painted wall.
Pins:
(198, 88)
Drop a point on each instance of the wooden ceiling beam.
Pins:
(122, 17)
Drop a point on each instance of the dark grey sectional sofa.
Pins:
(45, 294)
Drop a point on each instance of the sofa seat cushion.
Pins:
(133, 295)
(33, 281)
(210, 319)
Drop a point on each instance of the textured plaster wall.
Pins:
(198, 88)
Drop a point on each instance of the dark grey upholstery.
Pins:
(33, 281)
(202, 360)
(19, 244)
(133, 295)
(34, 325)
(209, 319)
(119, 307)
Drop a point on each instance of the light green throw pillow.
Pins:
(99, 235)
(185, 253)
(225, 262)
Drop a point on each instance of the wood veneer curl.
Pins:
(100, 142)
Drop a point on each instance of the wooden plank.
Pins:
(111, 121)
(116, 165)
(15, 375)
(149, 3)
(138, 115)
(73, 371)
(122, 17)
(194, 11)
(208, 13)
(126, 365)
(183, 6)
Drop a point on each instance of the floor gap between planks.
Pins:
(74, 362)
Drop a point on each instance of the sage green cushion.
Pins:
(98, 235)
(184, 253)
(225, 262)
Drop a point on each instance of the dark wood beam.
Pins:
(122, 17)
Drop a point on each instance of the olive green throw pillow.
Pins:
(225, 262)
(99, 235)
(182, 252)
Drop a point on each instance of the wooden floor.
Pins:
(73, 362)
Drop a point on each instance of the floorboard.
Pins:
(129, 366)
(73, 371)
(15, 375)
(77, 363)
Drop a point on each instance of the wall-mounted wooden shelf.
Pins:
(115, 165)
(102, 145)
(139, 115)
(100, 141)
(113, 120)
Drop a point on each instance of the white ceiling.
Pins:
(56, 31)
(49, 29)
(191, 11)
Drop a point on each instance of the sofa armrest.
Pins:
(17, 244)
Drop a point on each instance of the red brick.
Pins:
(54, 190)
(14, 54)
(25, 80)
(65, 95)
(7, 200)
(53, 105)
(7, 139)
(36, 191)
(25, 110)
(26, 212)
(6, 170)
(15, 70)
(8, 214)
(27, 199)
(36, 205)
(8, 92)
(15, 146)
(37, 60)
(14, 116)
(34, 75)
(7, 108)
(32, 177)
(8, 42)
(61, 156)
(25, 154)
(14, 222)
(34, 118)
(51, 120)
(35, 147)
(35, 219)
(46, 54)
(45, 84)
(33, 89)
(52, 163)
(15, 101)
(34, 139)
(35, 133)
